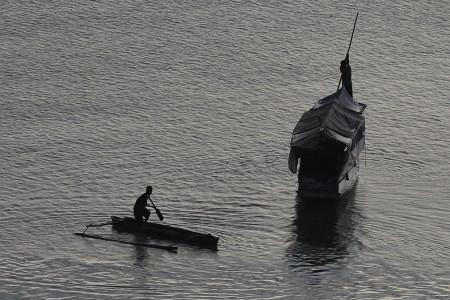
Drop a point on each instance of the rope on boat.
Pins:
(365, 156)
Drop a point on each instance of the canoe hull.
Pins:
(165, 232)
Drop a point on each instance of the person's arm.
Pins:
(146, 203)
(345, 62)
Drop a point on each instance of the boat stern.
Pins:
(313, 188)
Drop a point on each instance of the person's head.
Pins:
(149, 190)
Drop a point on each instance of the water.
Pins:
(199, 98)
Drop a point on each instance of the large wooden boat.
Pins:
(165, 232)
(326, 144)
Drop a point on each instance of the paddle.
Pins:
(158, 212)
(349, 45)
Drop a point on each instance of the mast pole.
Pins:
(349, 45)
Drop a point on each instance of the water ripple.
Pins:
(199, 99)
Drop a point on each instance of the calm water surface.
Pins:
(199, 98)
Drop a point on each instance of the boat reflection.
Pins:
(323, 232)
(140, 251)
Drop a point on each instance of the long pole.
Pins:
(170, 248)
(349, 45)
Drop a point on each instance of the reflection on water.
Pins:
(140, 251)
(323, 232)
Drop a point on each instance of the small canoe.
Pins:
(165, 232)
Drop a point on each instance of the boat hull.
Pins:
(310, 187)
(166, 232)
(326, 143)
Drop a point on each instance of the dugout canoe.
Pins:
(165, 232)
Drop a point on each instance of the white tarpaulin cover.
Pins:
(335, 117)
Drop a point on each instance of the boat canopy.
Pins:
(333, 118)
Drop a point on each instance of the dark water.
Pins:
(199, 98)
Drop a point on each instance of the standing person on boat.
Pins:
(140, 207)
(346, 73)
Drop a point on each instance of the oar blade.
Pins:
(158, 212)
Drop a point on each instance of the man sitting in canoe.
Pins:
(140, 207)
(346, 72)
